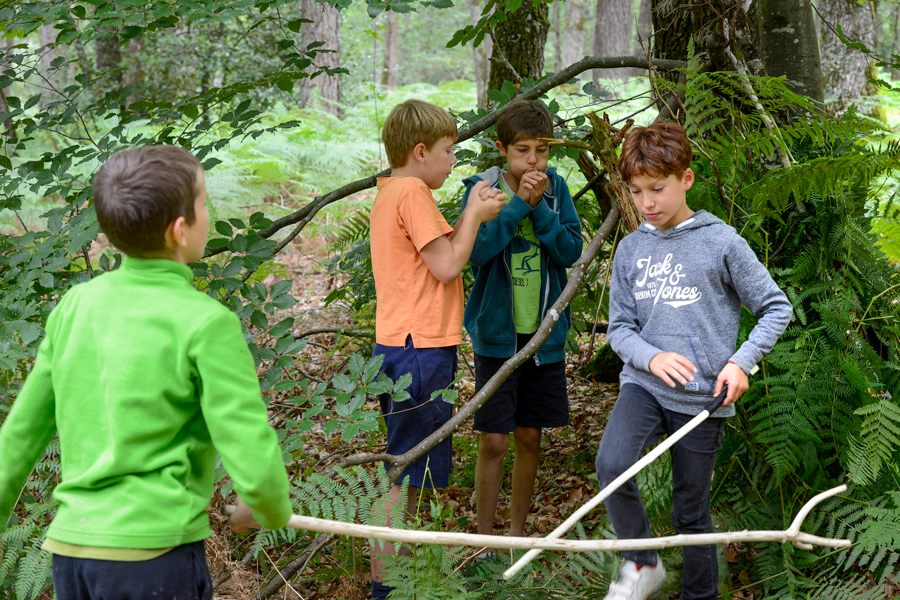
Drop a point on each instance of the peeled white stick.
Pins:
(412, 536)
(618, 481)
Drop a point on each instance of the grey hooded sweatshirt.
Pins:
(681, 290)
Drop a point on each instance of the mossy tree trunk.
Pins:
(788, 44)
(519, 43)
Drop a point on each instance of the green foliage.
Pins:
(825, 409)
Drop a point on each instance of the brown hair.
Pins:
(658, 150)
(411, 123)
(523, 120)
(139, 192)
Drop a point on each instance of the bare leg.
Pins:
(528, 454)
(488, 475)
(388, 548)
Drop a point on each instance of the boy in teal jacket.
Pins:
(144, 378)
(519, 263)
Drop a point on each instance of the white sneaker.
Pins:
(634, 584)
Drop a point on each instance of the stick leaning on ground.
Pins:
(618, 481)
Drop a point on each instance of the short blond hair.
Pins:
(411, 123)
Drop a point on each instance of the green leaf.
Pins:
(130, 31)
(280, 288)
(296, 24)
(223, 228)
(46, 280)
(343, 383)
(285, 85)
(356, 364)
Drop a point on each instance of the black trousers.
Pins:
(180, 574)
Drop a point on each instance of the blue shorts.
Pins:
(411, 421)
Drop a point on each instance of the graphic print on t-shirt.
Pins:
(525, 267)
(661, 281)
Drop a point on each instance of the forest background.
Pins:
(792, 107)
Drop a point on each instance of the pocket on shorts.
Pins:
(690, 347)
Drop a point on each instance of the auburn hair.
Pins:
(658, 150)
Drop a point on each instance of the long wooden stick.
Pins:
(618, 481)
(412, 536)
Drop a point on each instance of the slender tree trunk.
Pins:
(108, 58)
(134, 73)
(556, 24)
(844, 69)
(481, 58)
(574, 32)
(391, 36)
(47, 36)
(788, 45)
(644, 27)
(325, 27)
(612, 35)
(4, 93)
(519, 42)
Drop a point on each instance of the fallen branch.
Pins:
(411, 536)
(340, 330)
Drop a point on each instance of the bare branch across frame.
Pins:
(304, 215)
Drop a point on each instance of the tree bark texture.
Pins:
(519, 41)
(843, 68)
(7, 124)
(613, 29)
(788, 45)
(481, 58)
(325, 27)
(556, 27)
(573, 33)
(391, 36)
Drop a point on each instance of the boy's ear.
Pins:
(175, 237)
(687, 179)
(501, 147)
(418, 152)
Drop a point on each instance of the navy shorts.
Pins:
(533, 396)
(179, 574)
(411, 421)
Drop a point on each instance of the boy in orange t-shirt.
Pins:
(417, 259)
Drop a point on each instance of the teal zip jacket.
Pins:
(489, 317)
(145, 378)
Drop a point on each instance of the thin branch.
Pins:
(296, 565)
(341, 330)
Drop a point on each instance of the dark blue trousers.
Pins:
(180, 574)
(637, 422)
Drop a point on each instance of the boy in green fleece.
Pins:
(144, 378)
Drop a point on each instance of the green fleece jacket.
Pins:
(145, 378)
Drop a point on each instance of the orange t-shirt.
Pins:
(410, 300)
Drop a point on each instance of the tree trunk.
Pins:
(644, 28)
(108, 59)
(481, 58)
(612, 35)
(788, 44)
(325, 27)
(556, 25)
(843, 68)
(519, 41)
(391, 36)
(4, 93)
(574, 30)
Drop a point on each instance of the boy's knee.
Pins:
(493, 445)
(528, 439)
(609, 465)
(692, 523)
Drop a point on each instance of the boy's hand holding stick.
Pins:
(532, 187)
(492, 200)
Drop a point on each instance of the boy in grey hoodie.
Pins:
(677, 287)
